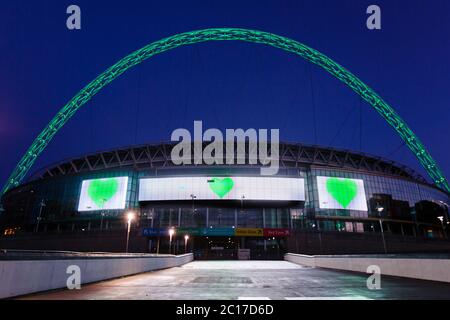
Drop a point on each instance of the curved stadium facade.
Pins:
(322, 200)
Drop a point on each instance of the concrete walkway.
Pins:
(248, 280)
(237, 265)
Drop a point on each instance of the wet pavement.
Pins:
(223, 280)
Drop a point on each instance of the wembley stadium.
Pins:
(134, 199)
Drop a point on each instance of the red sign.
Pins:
(276, 232)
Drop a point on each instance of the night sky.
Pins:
(225, 84)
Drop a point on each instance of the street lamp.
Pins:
(101, 221)
(380, 209)
(186, 238)
(193, 199)
(171, 233)
(103, 213)
(130, 217)
(41, 205)
(441, 219)
(242, 203)
(446, 211)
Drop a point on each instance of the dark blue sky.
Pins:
(226, 84)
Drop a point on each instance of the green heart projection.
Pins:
(103, 194)
(342, 190)
(102, 190)
(221, 187)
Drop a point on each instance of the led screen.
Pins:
(222, 188)
(341, 193)
(103, 194)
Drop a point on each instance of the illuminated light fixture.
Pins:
(186, 238)
(380, 209)
(171, 233)
(130, 216)
(441, 219)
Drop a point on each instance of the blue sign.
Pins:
(155, 232)
(218, 232)
(205, 232)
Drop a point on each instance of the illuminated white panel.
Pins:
(222, 188)
(103, 194)
(341, 193)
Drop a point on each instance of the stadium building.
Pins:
(322, 201)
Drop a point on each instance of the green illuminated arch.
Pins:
(221, 34)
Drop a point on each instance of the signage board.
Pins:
(212, 232)
(341, 193)
(103, 194)
(249, 232)
(218, 232)
(155, 232)
(276, 232)
(222, 188)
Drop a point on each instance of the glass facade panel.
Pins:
(391, 198)
(250, 218)
(193, 219)
(397, 198)
(221, 217)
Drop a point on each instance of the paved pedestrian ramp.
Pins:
(240, 265)
(261, 280)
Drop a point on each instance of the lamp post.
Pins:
(242, 203)
(186, 238)
(193, 199)
(171, 233)
(130, 217)
(380, 209)
(102, 214)
(446, 206)
(101, 221)
(441, 219)
(41, 205)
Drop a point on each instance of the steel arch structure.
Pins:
(223, 34)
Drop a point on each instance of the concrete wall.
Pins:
(351, 243)
(87, 241)
(19, 277)
(424, 269)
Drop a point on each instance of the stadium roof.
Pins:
(292, 155)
